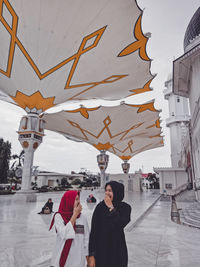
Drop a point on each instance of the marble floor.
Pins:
(158, 242)
(26, 242)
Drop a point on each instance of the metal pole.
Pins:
(175, 217)
(102, 179)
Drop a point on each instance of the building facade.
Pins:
(131, 181)
(52, 179)
(186, 83)
(183, 89)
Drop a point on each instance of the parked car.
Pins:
(43, 188)
(58, 188)
(51, 188)
(5, 186)
(35, 187)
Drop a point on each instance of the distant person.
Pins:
(13, 187)
(71, 248)
(91, 199)
(107, 245)
(48, 207)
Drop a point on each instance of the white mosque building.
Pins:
(183, 95)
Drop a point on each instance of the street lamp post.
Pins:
(103, 160)
(125, 166)
(31, 132)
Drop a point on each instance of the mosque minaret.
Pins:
(177, 121)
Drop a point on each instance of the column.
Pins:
(31, 132)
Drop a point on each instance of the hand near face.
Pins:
(77, 209)
(108, 200)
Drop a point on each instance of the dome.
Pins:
(193, 30)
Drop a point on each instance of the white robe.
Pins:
(79, 248)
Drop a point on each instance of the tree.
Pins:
(19, 159)
(15, 171)
(154, 181)
(5, 156)
(64, 182)
(76, 182)
(87, 182)
(96, 184)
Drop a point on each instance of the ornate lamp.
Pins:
(125, 166)
(103, 160)
(31, 132)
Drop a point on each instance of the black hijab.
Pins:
(118, 191)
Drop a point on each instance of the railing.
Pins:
(175, 216)
(174, 192)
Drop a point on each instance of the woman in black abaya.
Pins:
(107, 245)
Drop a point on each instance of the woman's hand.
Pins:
(77, 210)
(91, 261)
(108, 201)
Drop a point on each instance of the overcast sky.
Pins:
(167, 20)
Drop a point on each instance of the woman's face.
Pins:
(77, 201)
(109, 192)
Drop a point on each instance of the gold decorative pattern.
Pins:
(142, 149)
(144, 107)
(125, 157)
(25, 144)
(35, 145)
(75, 58)
(110, 79)
(129, 147)
(146, 88)
(101, 146)
(106, 123)
(156, 124)
(83, 111)
(128, 151)
(35, 100)
(154, 136)
(140, 44)
(15, 41)
(30, 132)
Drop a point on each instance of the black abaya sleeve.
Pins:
(119, 217)
(93, 233)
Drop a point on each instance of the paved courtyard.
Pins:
(154, 241)
(158, 242)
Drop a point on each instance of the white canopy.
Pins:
(57, 51)
(129, 148)
(6, 98)
(110, 128)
